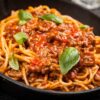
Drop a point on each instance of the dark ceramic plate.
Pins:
(64, 7)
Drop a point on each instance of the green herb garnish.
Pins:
(24, 16)
(52, 17)
(13, 62)
(68, 59)
(84, 26)
(20, 37)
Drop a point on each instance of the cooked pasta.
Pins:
(32, 42)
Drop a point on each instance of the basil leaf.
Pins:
(20, 37)
(13, 62)
(52, 17)
(22, 22)
(84, 26)
(24, 16)
(68, 59)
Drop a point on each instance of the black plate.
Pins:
(73, 10)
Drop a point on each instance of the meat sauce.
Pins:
(48, 40)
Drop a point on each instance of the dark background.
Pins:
(6, 96)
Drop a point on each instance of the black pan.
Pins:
(77, 12)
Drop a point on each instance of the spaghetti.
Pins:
(37, 56)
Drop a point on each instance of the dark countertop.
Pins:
(5, 96)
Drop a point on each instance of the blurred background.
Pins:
(89, 4)
(92, 5)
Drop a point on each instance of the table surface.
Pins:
(5, 96)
